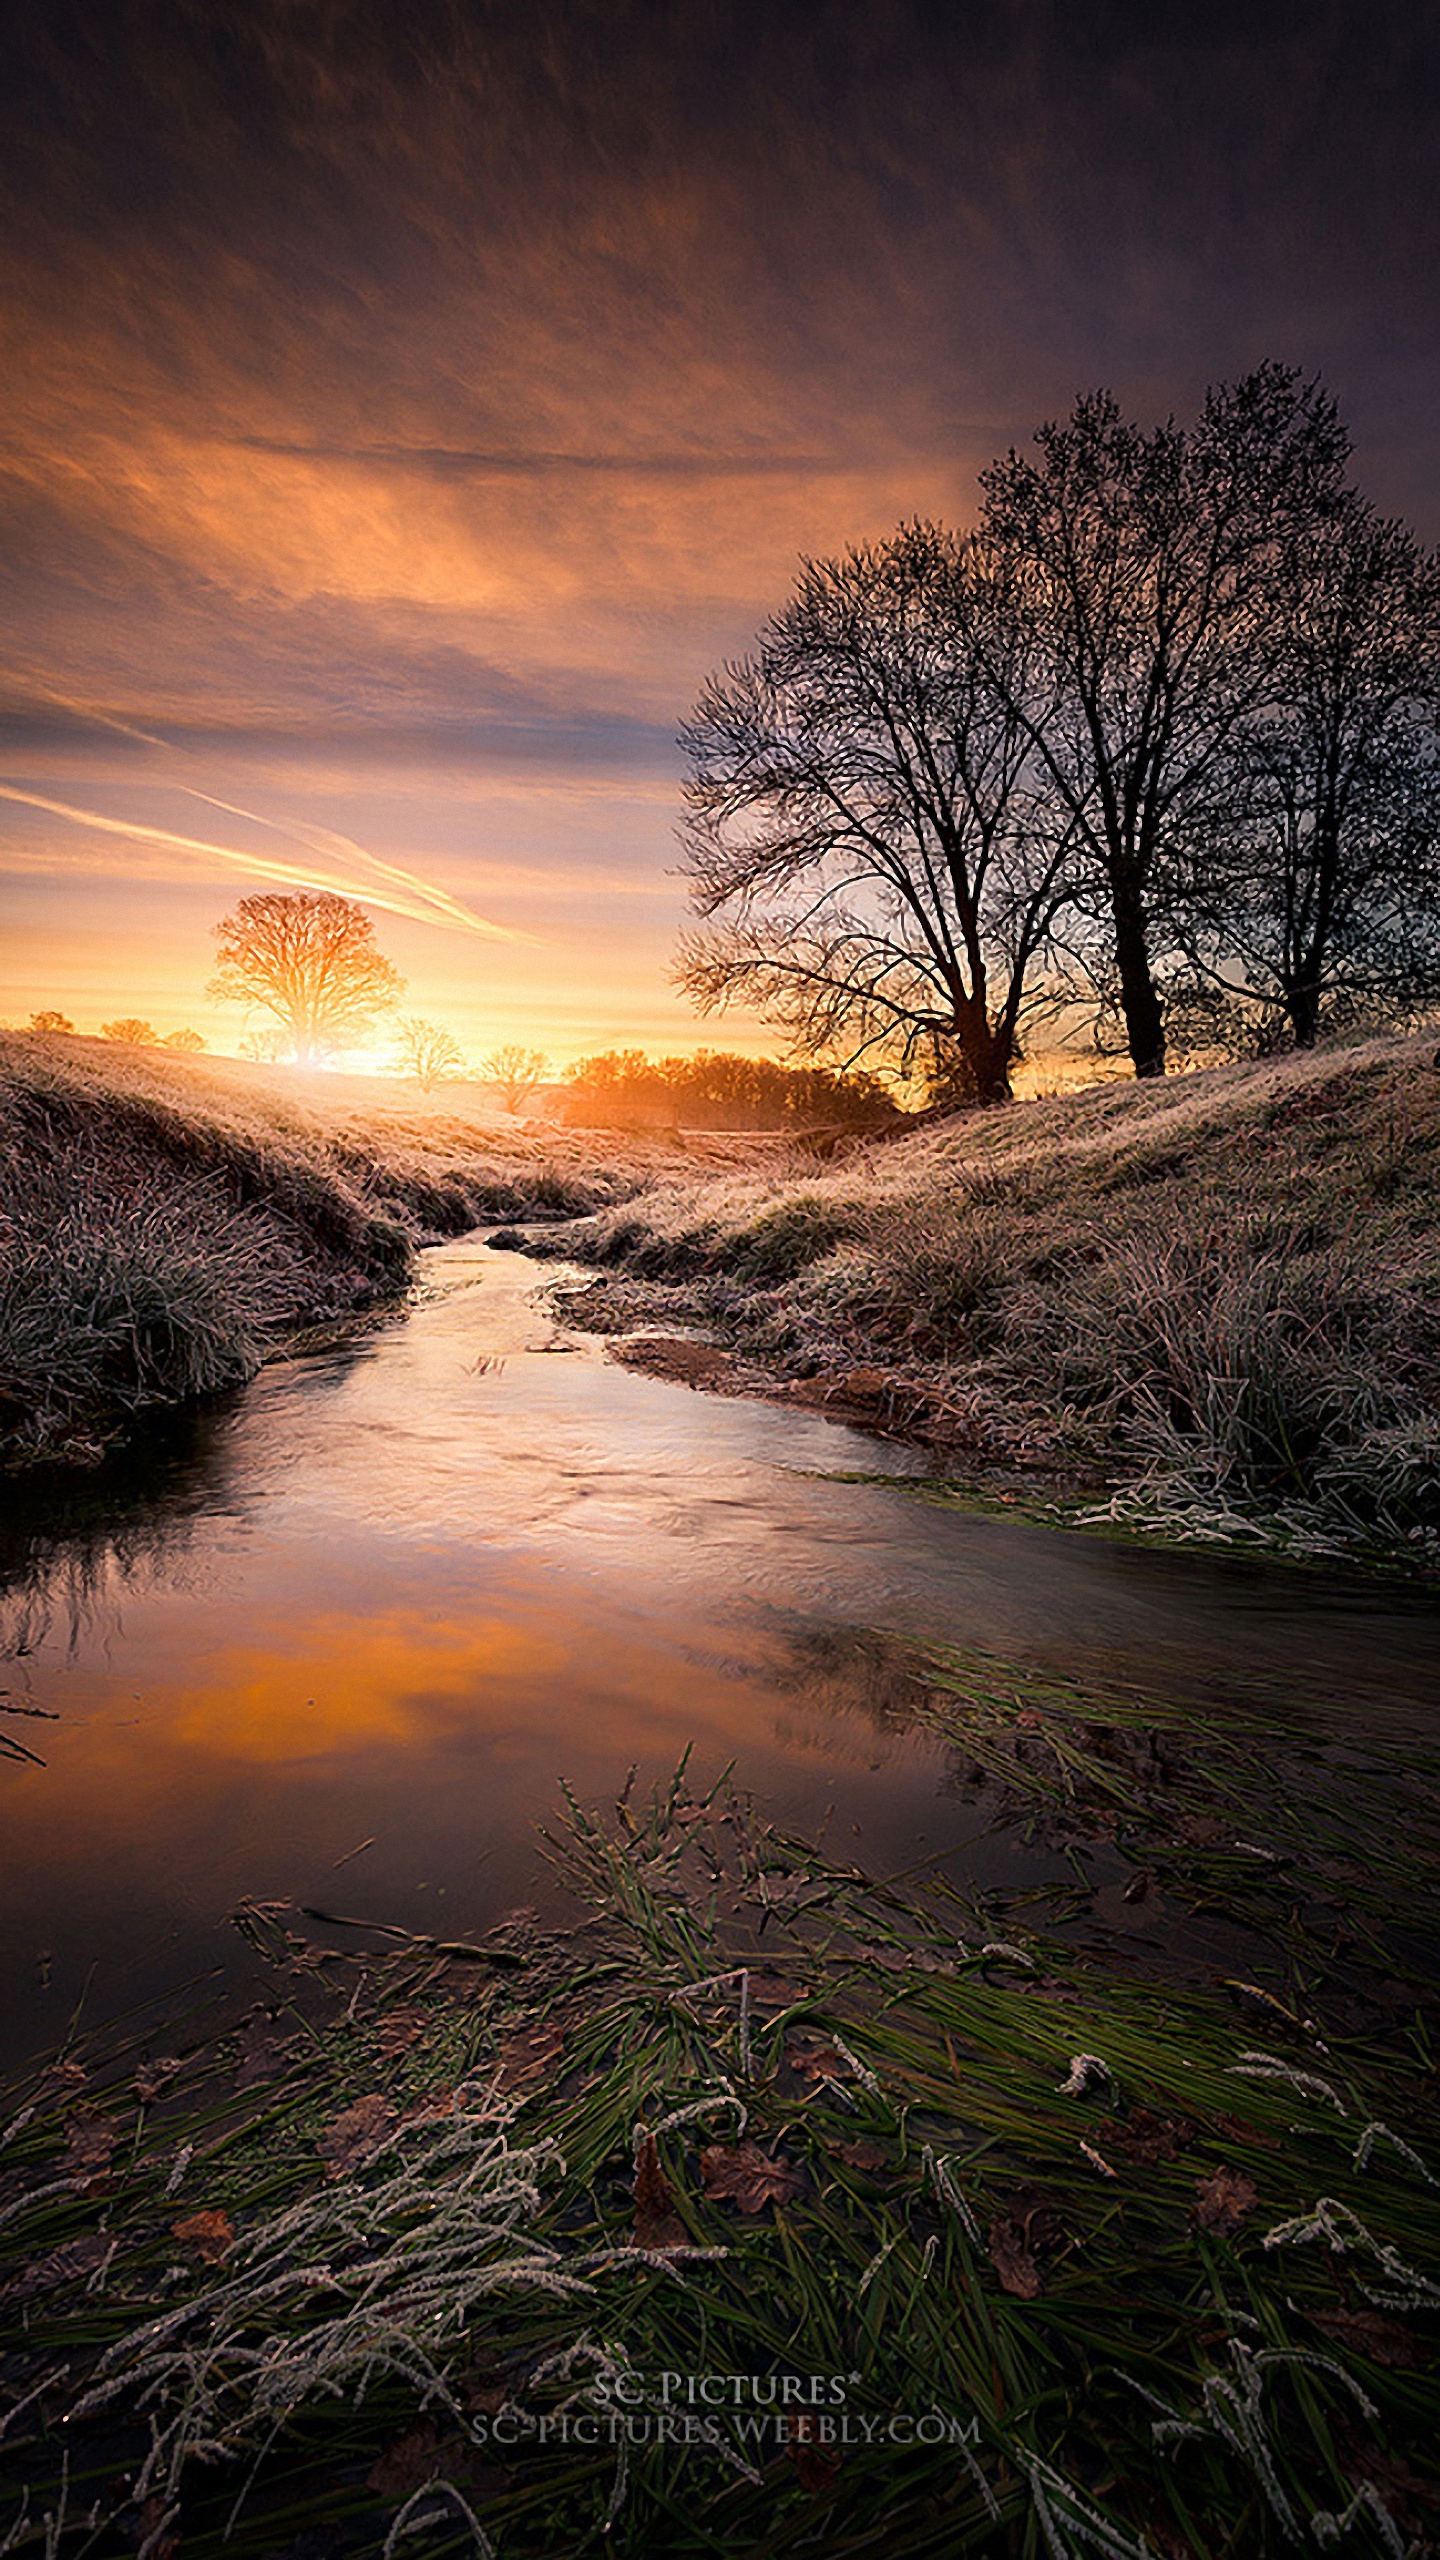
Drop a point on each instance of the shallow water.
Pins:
(339, 1643)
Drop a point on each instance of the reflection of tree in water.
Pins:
(67, 1555)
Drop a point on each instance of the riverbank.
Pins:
(515, 2242)
(1206, 1306)
(166, 1222)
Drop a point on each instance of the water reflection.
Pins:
(391, 1596)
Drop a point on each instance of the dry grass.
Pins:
(1215, 1295)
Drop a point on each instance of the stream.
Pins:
(337, 1642)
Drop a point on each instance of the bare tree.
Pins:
(1148, 564)
(131, 1031)
(862, 816)
(516, 1071)
(191, 1042)
(426, 1052)
(1318, 883)
(309, 959)
(50, 1022)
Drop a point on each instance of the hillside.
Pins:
(1210, 1301)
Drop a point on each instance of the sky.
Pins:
(408, 403)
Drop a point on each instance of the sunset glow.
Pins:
(387, 465)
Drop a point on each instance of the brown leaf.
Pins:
(1235, 2129)
(657, 2224)
(1012, 2261)
(1146, 2137)
(1225, 2198)
(355, 2133)
(817, 2465)
(748, 2177)
(209, 2234)
(92, 2140)
(819, 2062)
(771, 1991)
(60, 2266)
(528, 2056)
(859, 2155)
(1386, 2342)
(262, 2050)
(153, 2078)
(61, 2079)
(1019, 2239)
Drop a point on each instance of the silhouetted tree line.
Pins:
(1160, 736)
(716, 1090)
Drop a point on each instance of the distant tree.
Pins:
(192, 1042)
(129, 1028)
(48, 1022)
(1147, 563)
(516, 1071)
(861, 818)
(309, 958)
(1315, 889)
(426, 1052)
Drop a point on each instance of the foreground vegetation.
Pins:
(165, 1222)
(1212, 1302)
(1063, 2257)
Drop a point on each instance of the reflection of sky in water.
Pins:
(404, 1593)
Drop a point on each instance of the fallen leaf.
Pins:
(819, 2062)
(817, 2465)
(1225, 2198)
(1012, 2261)
(62, 2077)
(92, 2140)
(1146, 2137)
(153, 2078)
(1235, 2129)
(859, 2155)
(60, 2266)
(1384, 2341)
(747, 2176)
(771, 1991)
(1019, 2239)
(355, 2133)
(529, 2055)
(657, 2224)
(209, 2234)
(262, 2050)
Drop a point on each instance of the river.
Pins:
(338, 1642)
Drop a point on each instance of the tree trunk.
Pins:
(1302, 1003)
(987, 1050)
(1144, 1019)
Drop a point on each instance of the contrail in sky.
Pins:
(422, 903)
(402, 892)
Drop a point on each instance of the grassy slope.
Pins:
(163, 1221)
(1217, 1292)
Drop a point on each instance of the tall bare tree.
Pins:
(1148, 565)
(861, 816)
(1317, 881)
(309, 959)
